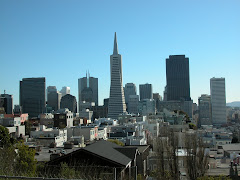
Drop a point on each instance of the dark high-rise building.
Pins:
(69, 101)
(145, 91)
(54, 99)
(6, 101)
(32, 96)
(87, 90)
(177, 74)
(116, 101)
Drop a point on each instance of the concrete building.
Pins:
(218, 100)
(69, 101)
(87, 90)
(145, 91)
(13, 124)
(65, 90)
(157, 96)
(147, 106)
(6, 101)
(177, 75)
(23, 117)
(99, 111)
(133, 104)
(89, 133)
(205, 111)
(46, 136)
(63, 118)
(117, 100)
(83, 105)
(46, 119)
(129, 89)
(86, 114)
(185, 106)
(32, 96)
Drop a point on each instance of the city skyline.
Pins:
(40, 46)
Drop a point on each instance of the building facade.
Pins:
(205, 111)
(117, 100)
(129, 89)
(145, 91)
(133, 104)
(177, 75)
(218, 100)
(32, 96)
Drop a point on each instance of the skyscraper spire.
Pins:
(115, 49)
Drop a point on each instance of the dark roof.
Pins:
(141, 148)
(130, 152)
(108, 150)
(102, 149)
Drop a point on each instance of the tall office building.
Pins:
(133, 104)
(116, 101)
(6, 101)
(205, 111)
(65, 90)
(32, 96)
(69, 101)
(88, 90)
(129, 89)
(218, 100)
(177, 74)
(145, 91)
(51, 89)
(54, 99)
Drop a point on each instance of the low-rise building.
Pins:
(46, 136)
(63, 118)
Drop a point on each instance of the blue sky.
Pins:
(61, 39)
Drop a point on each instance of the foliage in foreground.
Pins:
(15, 157)
(221, 177)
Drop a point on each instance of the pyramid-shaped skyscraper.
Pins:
(116, 104)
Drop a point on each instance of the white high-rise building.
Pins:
(116, 104)
(218, 100)
(65, 90)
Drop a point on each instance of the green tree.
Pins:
(25, 162)
(67, 172)
(7, 156)
(5, 140)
